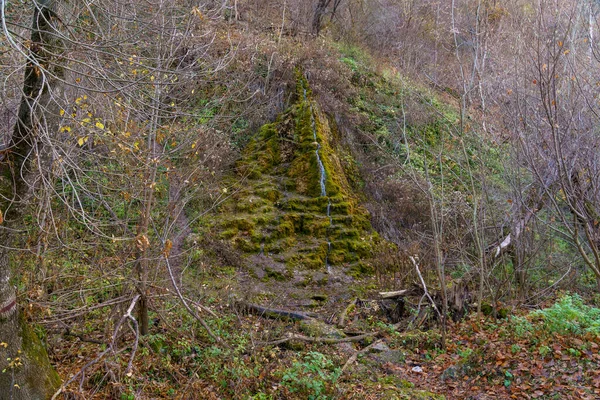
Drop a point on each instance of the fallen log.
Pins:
(273, 313)
(324, 340)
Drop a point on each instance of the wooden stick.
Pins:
(393, 295)
(342, 319)
(425, 286)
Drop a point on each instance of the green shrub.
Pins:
(312, 376)
(521, 326)
(544, 350)
(569, 315)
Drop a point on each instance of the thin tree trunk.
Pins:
(27, 371)
(320, 9)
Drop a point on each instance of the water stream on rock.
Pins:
(322, 177)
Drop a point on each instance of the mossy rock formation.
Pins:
(296, 204)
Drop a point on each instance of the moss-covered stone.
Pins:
(360, 269)
(276, 275)
(317, 328)
(282, 209)
(246, 245)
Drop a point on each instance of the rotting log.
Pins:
(273, 313)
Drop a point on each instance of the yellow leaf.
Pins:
(167, 249)
(65, 129)
(82, 140)
(99, 125)
(62, 112)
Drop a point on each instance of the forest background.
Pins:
(163, 233)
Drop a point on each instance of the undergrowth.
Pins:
(568, 315)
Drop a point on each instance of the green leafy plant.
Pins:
(515, 348)
(311, 376)
(544, 350)
(521, 326)
(569, 315)
(508, 378)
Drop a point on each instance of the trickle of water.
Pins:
(323, 173)
(327, 257)
(322, 178)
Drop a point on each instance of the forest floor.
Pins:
(553, 354)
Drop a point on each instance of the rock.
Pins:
(380, 347)
(316, 328)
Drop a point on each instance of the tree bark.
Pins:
(27, 371)
(320, 9)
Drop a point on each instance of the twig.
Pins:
(67, 332)
(352, 359)
(425, 286)
(125, 317)
(136, 331)
(187, 306)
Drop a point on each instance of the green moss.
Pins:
(246, 245)
(269, 194)
(348, 234)
(41, 375)
(338, 257)
(317, 328)
(361, 269)
(249, 204)
(241, 224)
(276, 275)
(282, 208)
(229, 233)
(284, 229)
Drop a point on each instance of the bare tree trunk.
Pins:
(27, 373)
(320, 9)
